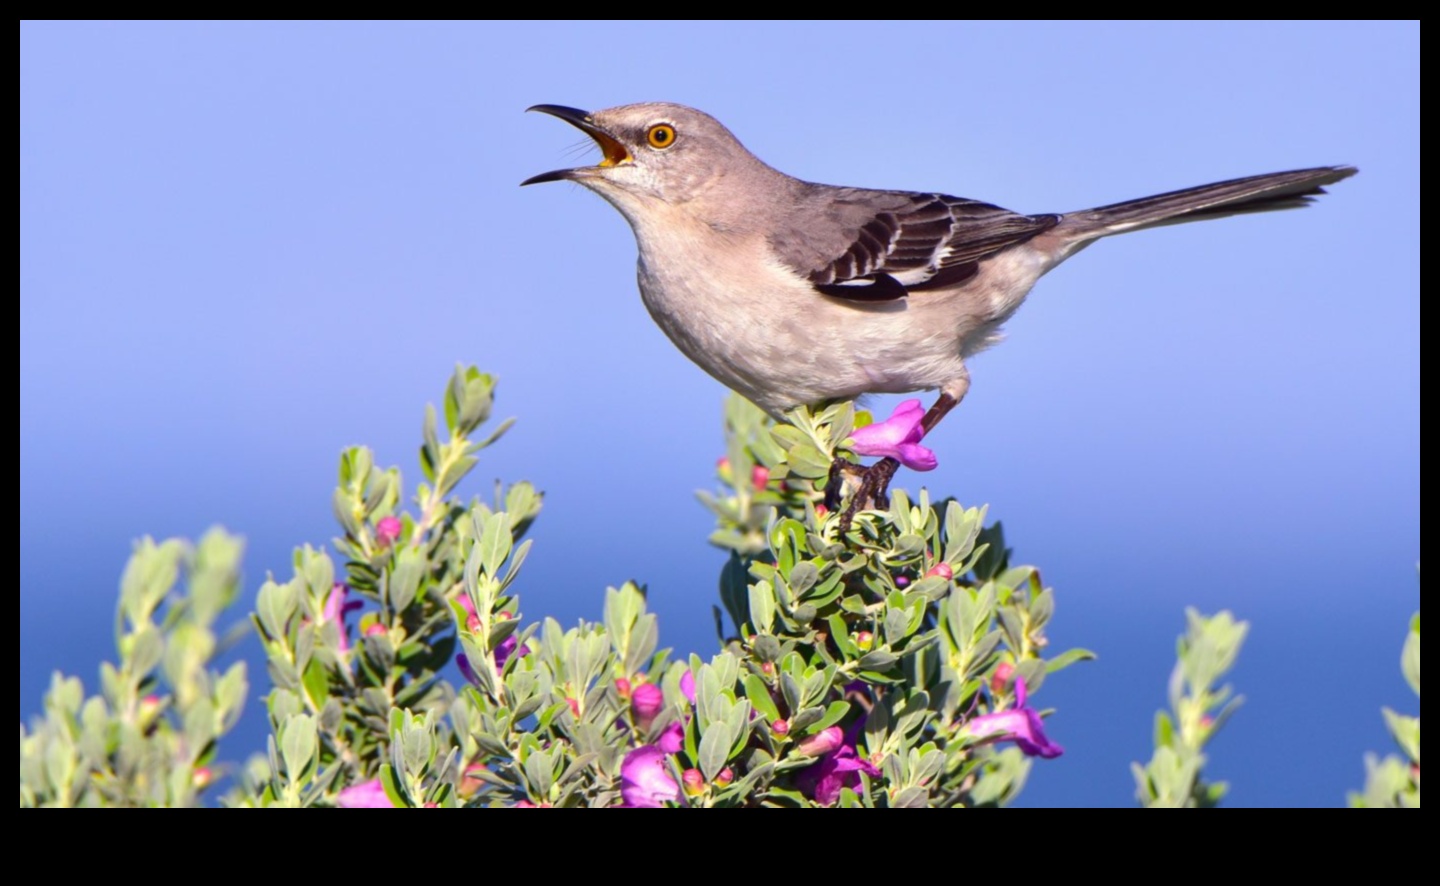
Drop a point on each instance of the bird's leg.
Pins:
(875, 480)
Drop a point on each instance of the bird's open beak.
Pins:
(614, 152)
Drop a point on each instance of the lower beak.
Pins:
(615, 153)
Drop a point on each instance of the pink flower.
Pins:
(387, 529)
(335, 609)
(897, 437)
(646, 702)
(760, 476)
(365, 795)
(1020, 724)
(645, 781)
(837, 768)
(687, 686)
(472, 618)
(672, 738)
(1001, 678)
(942, 569)
(822, 742)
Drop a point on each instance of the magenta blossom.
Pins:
(645, 781)
(646, 702)
(1020, 724)
(472, 618)
(335, 609)
(687, 686)
(365, 795)
(839, 767)
(508, 647)
(897, 437)
(387, 529)
(672, 738)
(822, 742)
(503, 652)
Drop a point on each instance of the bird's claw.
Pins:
(872, 491)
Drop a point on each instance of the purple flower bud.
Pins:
(687, 686)
(780, 727)
(724, 777)
(365, 795)
(622, 687)
(672, 738)
(897, 437)
(822, 742)
(693, 781)
(646, 702)
(387, 529)
(645, 781)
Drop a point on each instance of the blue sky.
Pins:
(245, 246)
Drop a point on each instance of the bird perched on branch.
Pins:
(794, 293)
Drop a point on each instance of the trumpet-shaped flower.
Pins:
(645, 781)
(1020, 724)
(897, 437)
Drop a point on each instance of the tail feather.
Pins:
(1256, 193)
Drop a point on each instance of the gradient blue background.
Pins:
(245, 246)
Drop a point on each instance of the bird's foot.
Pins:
(872, 491)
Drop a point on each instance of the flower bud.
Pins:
(387, 529)
(780, 727)
(646, 701)
(822, 742)
(942, 569)
(724, 777)
(864, 640)
(693, 781)
(622, 687)
(759, 476)
(1000, 680)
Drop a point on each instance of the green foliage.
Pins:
(150, 737)
(1198, 709)
(1394, 781)
(886, 666)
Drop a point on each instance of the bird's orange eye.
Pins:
(661, 135)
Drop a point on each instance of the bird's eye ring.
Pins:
(661, 135)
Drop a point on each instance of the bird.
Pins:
(794, 293)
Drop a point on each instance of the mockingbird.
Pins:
(793, 293)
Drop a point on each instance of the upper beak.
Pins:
(614, 152)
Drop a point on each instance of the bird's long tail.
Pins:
(1256, 193)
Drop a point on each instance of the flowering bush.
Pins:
(892, 665)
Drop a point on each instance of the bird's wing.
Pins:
(883, 245)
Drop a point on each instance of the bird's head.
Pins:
(655, 152)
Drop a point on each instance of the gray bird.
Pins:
(793, 293)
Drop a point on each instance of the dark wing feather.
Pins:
(882, 245)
